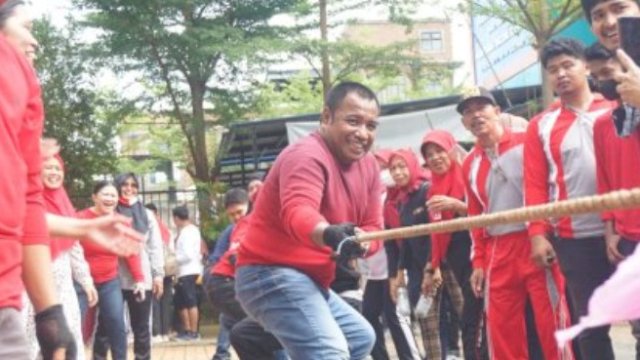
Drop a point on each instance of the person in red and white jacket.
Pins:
(561, 165)
(617, 167)
(503, 271)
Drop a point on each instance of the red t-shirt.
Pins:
(225, 266)
(103, 264)
(164, 231)
(22, 218)
(618, 167)
(306, 186)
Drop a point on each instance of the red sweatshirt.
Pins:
(102, 263)
(22, 214)
(618, 167)
(306, 186)
(561, 165)
(225, 266)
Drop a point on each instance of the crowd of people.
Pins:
(287, 275)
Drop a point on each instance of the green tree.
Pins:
(543, 19)
(189, 50)
(336, 60)
(81, 118)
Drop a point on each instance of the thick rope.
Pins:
(622, 199)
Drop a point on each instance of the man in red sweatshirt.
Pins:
(561, 165)
(319, 192)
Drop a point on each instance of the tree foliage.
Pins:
(543, 19)
(189, 51)
(81, 118)
(334, 59)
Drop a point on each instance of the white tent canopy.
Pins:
(401, 130)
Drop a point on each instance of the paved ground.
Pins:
(203, 349)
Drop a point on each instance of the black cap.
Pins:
(474, 93)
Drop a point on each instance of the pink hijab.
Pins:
(56, 201)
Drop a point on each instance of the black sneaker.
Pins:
(183, 336)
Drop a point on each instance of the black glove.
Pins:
(340, 238)
(54, 334)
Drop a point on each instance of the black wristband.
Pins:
(50, 311)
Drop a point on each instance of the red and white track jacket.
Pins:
(560, 164)
(494, 183)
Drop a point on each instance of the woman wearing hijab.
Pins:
(152, 261)
(68, 263)
(413, 185)
(377, 300)
(451, 252)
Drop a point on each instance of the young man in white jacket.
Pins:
(189, 268)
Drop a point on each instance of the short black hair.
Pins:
(236, 196)
(588, 5)
(181, 212)
(98, 186)
(562, 46)
(7, 8)
(597, 52)
(337, 93)
(152, 207)
(258, 175)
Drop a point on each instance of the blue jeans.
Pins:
(309, 321)
(223, 343)
(83, 302)
(110, 334)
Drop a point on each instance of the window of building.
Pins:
(431, 41)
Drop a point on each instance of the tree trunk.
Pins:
(200, 158)
(541, 40)
(324, 53)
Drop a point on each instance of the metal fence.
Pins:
(165, 201)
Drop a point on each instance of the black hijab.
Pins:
(132, 209)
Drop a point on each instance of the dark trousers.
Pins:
(252, 342)
(139, 312)
(221, 291)
(452, 323)
(585, 266)
(376, 302)
(626, 248)
(163, 309)
(474, 343)
(533, 341)
(83, 302)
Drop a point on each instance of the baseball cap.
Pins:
(474, 93)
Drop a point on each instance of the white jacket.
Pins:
(188, 251)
